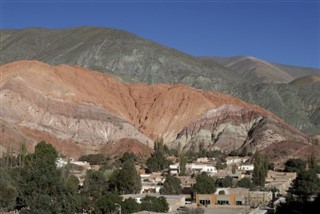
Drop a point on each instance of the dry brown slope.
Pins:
(82, 105)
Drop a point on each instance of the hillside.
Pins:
(253, 69)
(134, 59)
(104, 49)
(306, 80)
(275, 87)
(81, 111)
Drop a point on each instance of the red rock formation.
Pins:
(87, 112)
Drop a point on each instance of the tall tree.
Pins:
(204, 184)
(171, 186)
(182, 165)
(157, 162)
(306, 184)
(41, 186)
(126, 180)
(260, 170)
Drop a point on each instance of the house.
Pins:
(234, 196)
(149, 187)
(236, 160)
(174, 169)
(246, 167)
(174, 201)
(204, 160)
(199, 168)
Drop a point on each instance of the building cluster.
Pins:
(233, 197)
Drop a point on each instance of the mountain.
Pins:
(134, 59)
(81, 111)
(306, 80)
(261, 71)
(104, 49)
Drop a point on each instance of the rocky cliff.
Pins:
(135, 59)
(82, 111)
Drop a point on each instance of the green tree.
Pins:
(128, 156)
(224, 182)
(41, 188)
(245, 183)
(130, 206)
(95, 159)
(94, 187)
(171, 186)
(157, 162)
(204, 184)
(260, 171)
(107, 204)
(126, 180)
(8, 195)
(221, 164)
(306, 184)
(182, 165)
(154, 204)
(295, 165)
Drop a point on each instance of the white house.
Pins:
(174, 169)
(246, 167)
(201, 168)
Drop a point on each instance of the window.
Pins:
(205, 202)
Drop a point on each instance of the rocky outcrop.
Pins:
(81, 111)
(231, 128)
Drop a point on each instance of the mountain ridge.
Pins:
(82, 111)
(134, 59)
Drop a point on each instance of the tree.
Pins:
(295, 165)
(95, 159)
(126, 180)
(41, 188)
(245, 183)
(130, 206)
(306, 184)
(234, 169)
(157, 162)
(204, 184)
(107, 204)
(128, 156)
(260, 171)
(171, 186)
(312, 164)
(150, 203)
(8, 194)
(182, 165)
(221, 164)
(94, 187)
(224, 182)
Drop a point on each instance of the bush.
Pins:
(95, 159)
(295, 165)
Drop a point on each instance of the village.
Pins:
(234, 192)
